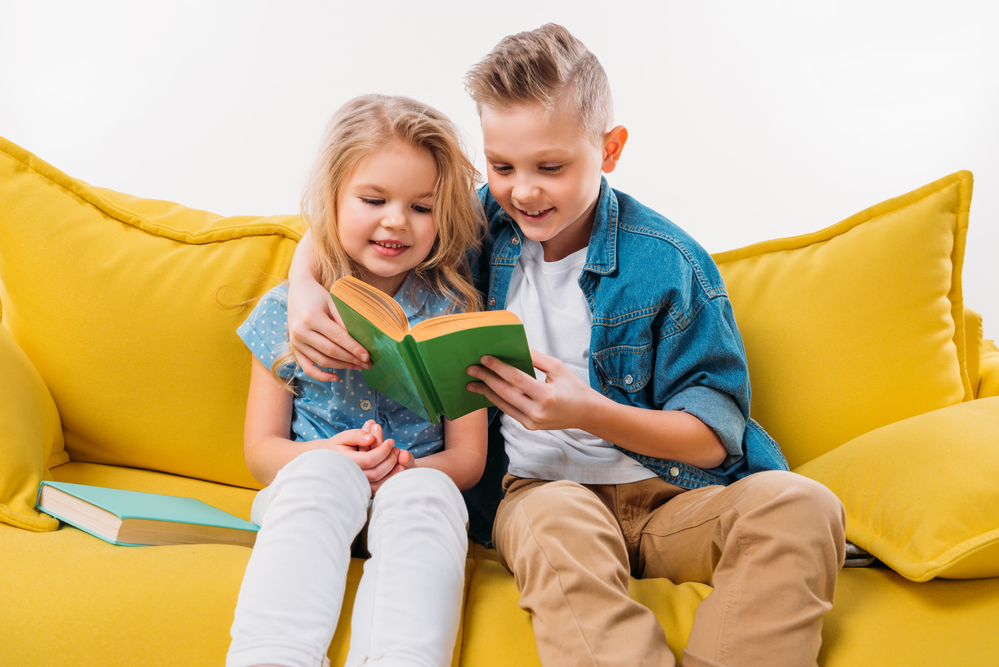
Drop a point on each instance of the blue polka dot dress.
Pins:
(323, 409)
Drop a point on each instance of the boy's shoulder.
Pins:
(633, 217)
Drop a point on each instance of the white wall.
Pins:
(748, 120)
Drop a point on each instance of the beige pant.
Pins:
(771, 545)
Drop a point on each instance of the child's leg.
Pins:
(408, 604)
(294, 583)
(771, 545)
(569, 558)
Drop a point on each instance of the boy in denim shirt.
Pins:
(633, 452)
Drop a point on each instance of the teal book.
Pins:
(134, 518)
(425, 367)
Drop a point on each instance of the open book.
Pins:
(425, 368)
(134, 518)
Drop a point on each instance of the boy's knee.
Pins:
(802, 505)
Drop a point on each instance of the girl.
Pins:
(390, 201)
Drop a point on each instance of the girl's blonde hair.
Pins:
(361, 127)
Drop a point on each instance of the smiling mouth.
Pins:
(534, 215)
(391, 246)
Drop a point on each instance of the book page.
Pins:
(445, 324)
(373, 304)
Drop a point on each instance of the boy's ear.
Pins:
(614, 142)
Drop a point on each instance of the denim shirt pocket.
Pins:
(625, 368)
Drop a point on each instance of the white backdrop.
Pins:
(748, 120)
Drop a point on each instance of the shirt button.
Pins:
(492, 301)
(515, 241)
(365, 404)
(674, 472)
(628, 379)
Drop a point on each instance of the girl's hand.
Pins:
(317, 335)
(562, 401)
(379, 459)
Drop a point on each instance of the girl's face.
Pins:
(384, 213)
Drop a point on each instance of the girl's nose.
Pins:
(394, 218)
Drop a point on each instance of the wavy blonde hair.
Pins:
(361, 127)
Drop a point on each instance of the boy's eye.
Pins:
(374, 201)
(552, 170)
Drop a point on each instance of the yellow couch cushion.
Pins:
(118, 303)
(858, 325)
(101, 604)
(879, 618)
(30, 437)
(921, 495)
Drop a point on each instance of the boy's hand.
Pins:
(317, 335)
(562, 401)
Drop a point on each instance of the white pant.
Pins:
(408, 603)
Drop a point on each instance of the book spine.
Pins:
(425, 385)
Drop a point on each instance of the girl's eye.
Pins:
(552, 170)
(420, 208)
(373, 201)
(502, 168)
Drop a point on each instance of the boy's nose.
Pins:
(524, 191)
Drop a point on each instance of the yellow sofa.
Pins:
(120, 367)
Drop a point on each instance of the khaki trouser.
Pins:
(771, 545)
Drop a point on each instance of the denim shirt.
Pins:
(663, 335)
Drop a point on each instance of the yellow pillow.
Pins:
(858, 325)
(30, 438)
(118, 303)
(921, 495)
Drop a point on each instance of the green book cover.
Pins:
(426, 369)
(175, 515)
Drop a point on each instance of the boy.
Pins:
(632, 452)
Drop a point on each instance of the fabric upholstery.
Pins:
(858, 325)
(133, 300)
(30, 437)
(921, 494)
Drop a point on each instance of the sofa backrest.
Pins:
(127, 307)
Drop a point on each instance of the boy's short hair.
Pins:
(547, 66)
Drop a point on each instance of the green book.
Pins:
(134, 518)
(425, 368)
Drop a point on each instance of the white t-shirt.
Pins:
(561, 329)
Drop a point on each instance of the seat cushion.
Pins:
(99, 604)
(858, 325)
(128, 308)
(880, 618)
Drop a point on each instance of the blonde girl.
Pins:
(390, 201)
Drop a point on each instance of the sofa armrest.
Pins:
(30, 433)
(988, 383)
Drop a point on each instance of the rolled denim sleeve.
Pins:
(702, 370)
(718, 411)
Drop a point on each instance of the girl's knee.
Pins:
(424, 487)
(322, 470)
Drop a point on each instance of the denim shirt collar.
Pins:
(601, 257)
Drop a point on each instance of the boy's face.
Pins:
(544, 170)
